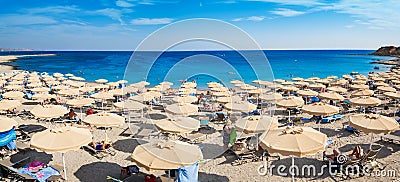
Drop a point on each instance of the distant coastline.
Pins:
(391, 51)
(4, 67)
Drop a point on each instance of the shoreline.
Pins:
(5, 68)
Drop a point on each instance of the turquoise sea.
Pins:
(203, 66)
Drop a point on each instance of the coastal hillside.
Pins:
(387, 51)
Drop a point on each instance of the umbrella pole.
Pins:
(370, 145)
(289, 117)
(65, 171)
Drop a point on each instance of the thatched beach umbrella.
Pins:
(293, 141)
(364, 92)
(373, 123)
(13, 95)
(49, 111)
(185, 99)
(365, 101)
(166, 155)
(61, 140)
(320, 109)
(104, 119)
(290, 102)
(178, 125)
(331, 96)
(9, 104)
(256, 124)
(307, 93)
(182, 109)
(101, 81)
(6, 124)
(240, 106)
(337, 89)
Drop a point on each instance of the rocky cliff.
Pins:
(387, 51)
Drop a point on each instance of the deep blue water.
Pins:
(203, 66)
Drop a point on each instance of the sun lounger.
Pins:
(391, 138)
(194, 138)
(99, 154)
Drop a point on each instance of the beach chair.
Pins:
(328, 119)
(391, 138)
(100, 154)
(350, 169)
(348, 109)
(204, 122)
(194, 138)
(350, 129)
(221, 116)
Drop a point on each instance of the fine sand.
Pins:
(82, 166)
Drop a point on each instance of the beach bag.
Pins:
(232, 137)
(150, 178)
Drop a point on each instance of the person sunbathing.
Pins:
(357, 153)
(332, 157)
(100, 145)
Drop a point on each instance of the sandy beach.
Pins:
(217, 165)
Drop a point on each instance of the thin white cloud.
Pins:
(293, 2)
(114, 14)
(251, 18)
(51, 9)
(151, 21)
(74, 22)
(380, 14)
(286, 12)
(20, 20)
(123, 4)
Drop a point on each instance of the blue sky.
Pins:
(123, 24)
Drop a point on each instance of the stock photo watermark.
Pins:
(331, 169)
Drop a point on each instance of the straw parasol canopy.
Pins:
(182, 109)
(256, 124)
(240, 106)
(320, 109)
(290, 102)
(49, 111)
(6, 124)
(165, 155)
(142, 97)
(386, 89)
(365, 101)
(228, 99)
(61, 140)
(271, 97)
(79, 102)
(69, 92)
(42, 96)
(13, 95)
(130, 105)
(331, 96)
(102, 95)
(307, 92)
(40, 89)
(365, 92)
(373, 123)
(101, 81)
(293, 141)
(104, 120)
(359, 86)
(337, 89)
(393, 95)
(185, 99)
(178, 125)
(9, 104)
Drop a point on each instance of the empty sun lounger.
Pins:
(391, 138)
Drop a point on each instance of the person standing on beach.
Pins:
(227, 130)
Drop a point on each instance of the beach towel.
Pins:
(34, 166)
(232, 137)
(12, 145)
(188, 173)
(7, 137)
